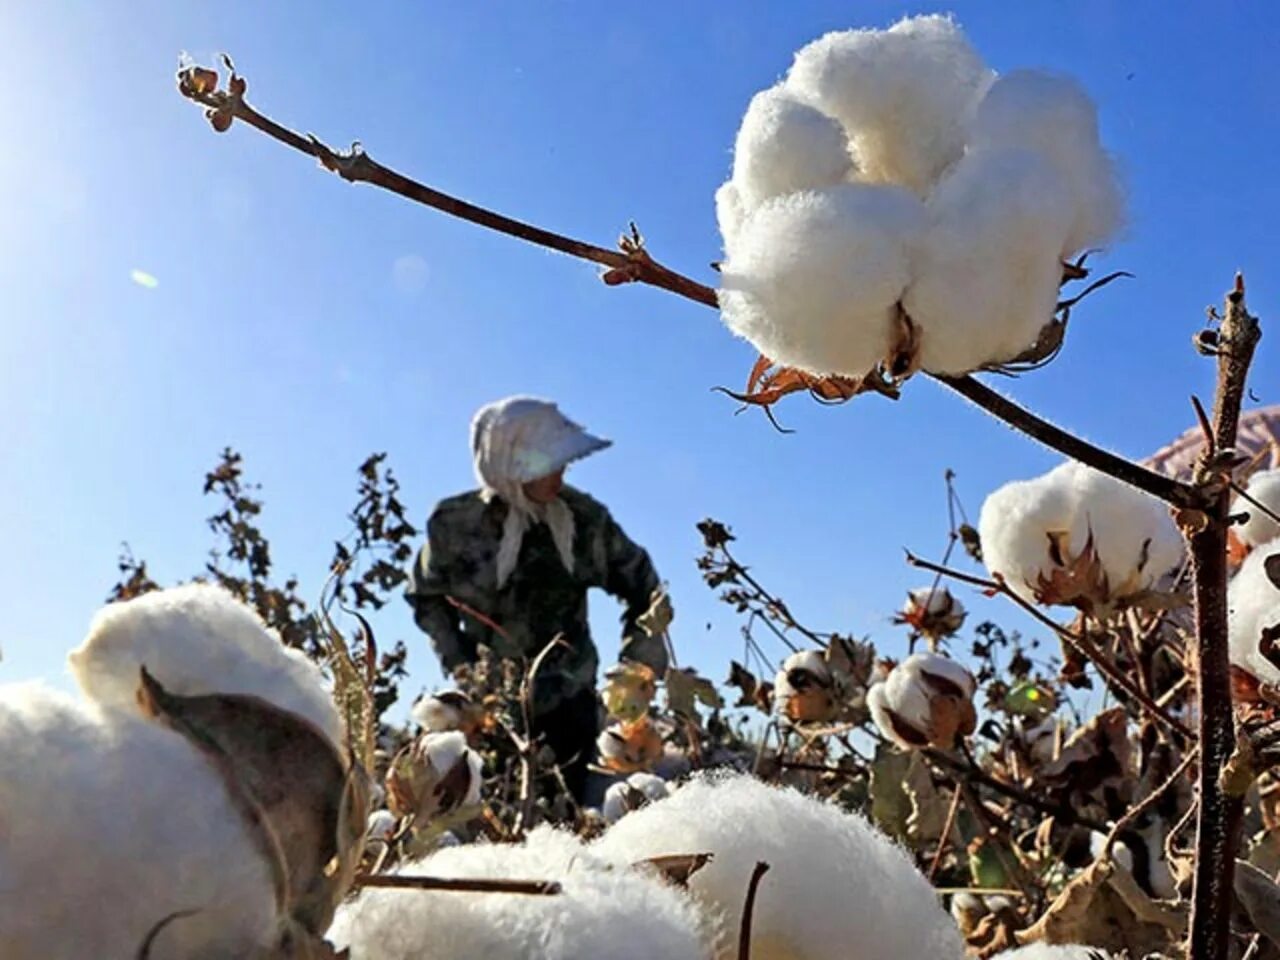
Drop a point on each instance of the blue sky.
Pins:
(308, 322)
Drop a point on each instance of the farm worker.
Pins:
(508, 567)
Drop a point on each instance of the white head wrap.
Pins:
(513, 442)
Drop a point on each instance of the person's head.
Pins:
(522, 445)
(545, 489)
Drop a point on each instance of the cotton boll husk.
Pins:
(990, 263)
(903, 95)
(785, 145)
(108, 824)
(837, 888)
(1054, 116)
(1259, 528)
(1253, 603)
(814, 277)
(198, 639)
(605, 909)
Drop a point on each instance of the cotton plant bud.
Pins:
(932, 612)
(785, 145)
(447, 710)
(437, 775)
(1253, 604)
(632, 794)
(1054, 117)
(630, 748)
(989, 266)
(1259, 528)
(804, 689)
(927, 700)
(628, 690)
(1077, 537)
(814, 278)
(903, 95)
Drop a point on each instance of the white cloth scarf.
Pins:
(518, 440)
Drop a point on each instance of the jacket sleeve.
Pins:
(629, 575)
(427, 593)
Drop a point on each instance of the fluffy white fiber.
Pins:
(108, 824)
(606, 909)
(837, 888)
(1265, 488)
(913, 691)
(1133, 535)
(814, 277)
(1046, 951)
(198, 639)
(1253, 604)
(630, 794)
(902, 94)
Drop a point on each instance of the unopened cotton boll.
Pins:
(927, 700)
(198, 639)
(785, 145)
(631, 794)
(434, 776)
(814, 278)
(1259, 528)
(1052, 115)
(1253, 604)
(110, 825)
(604, 909)
(990, 263)
(837, 889)
(1078, 537)
(903, 95)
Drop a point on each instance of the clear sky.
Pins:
(308, 322)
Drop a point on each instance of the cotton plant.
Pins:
(894, 206)
(1080, 538)
(926, 700)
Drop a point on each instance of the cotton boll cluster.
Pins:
(435, 776)
(1077, 537)
(198, 639)
(932, 612)
(1259, 528)
(447, 710)
(631, 794)
(837, 888)
(927, 700)
(112, 824)
(605, 909)
(1253, 603)
(890, 171)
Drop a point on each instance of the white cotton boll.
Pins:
(446, 710)
(837, 888)
(814, 277)
(1259, 528)
(1253, 603)
(1047, 951)
(605, 909)
(108, 824)
(381, 825)
(730, 213)
(631, 794)
(1054, 116)
(785, 145)
(1014, 522)
(198, 639)
(903, 95)
(926, 700)
(990, 263)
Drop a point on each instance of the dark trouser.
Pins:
(570, 729)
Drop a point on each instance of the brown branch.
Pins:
(1082, 643)
(537, 888)
(945, 839)
(1220, 815)
(1138, 809)
(748, 908)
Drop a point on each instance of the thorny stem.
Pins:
(633, 264)
(748, 908)
(1219, 819)
(1109, 671)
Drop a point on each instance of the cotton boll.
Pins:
(903, 95)
(1259, 528)
(109, 824)
(631, 794)
(1253, 603)
(1047, 951)
(990, 264)
(803, 690)
(605, 909)
(784, 146)
(927, 700)
(933, 612)
(630, 747)
(445, 711)
(837, 888)
(435, 775)
(198, 639)
(814, 277)
(730, 213)
(381, 825)
(1052, 115)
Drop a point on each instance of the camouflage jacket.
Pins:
(539, 600)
